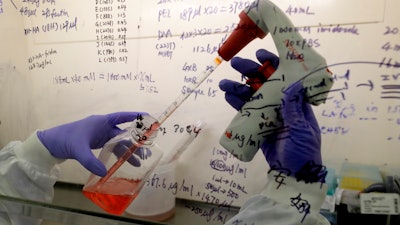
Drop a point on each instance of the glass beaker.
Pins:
(155, 202)
(130, 157)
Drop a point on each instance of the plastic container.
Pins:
(331, 181)
(357, 176)
(156, 202)
(129, 158)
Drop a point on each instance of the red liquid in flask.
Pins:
(115, 195)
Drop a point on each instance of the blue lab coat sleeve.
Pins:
(284, 201)
(28, 171)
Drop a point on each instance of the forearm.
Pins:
(283, 201)
(287, 190)
(28, 170)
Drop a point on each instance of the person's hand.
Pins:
(123, 146)
(236, 94)
(295, 149)
(75, 140)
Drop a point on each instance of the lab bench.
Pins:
(70, 207)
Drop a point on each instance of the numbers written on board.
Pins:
(180, 129)
(389, 46)
(391, 31)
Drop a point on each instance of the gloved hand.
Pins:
(124, 145)
(295, 149)
(75, 140)
(236, 94)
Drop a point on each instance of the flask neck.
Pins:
(144, 134)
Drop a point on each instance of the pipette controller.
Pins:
(298, 62)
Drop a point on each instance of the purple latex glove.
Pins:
(294, 150)
(236, 94)
(75, 140)
(141, 152)
(297, 147)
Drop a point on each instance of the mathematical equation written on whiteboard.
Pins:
(145, 81)
(110, 32)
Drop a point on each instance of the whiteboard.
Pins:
(64, 60)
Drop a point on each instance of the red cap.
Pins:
(245, 32)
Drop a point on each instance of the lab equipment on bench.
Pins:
(156, 200)
(103, 190)
(115, 191)
(114, 195)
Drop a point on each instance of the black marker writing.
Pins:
(301, 205)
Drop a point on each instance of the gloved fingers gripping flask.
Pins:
(130, 157)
